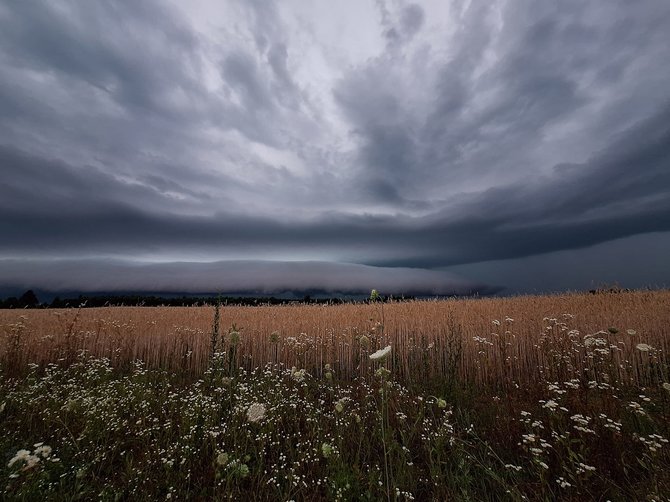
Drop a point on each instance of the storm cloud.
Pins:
(387, 140)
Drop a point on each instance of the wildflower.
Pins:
(374, 295)
(298, 375)
(551, 405)
(643, 347)
(326, 449)
(21, 456)
(666, 386)
(563, 483)
(255, 412)
(234, 337)
(31, 462)
(496, 322)
(222, 459)
(631, 332)
(243, 470)
(43, 450)
(382, 372)
(339, 406)
(637, 408)
(586, 467)
(381, 354)
(441, 403)
(329, 375)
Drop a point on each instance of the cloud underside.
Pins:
(380, 134)
(622, 191)
(245, 277)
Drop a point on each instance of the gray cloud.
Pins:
(231, 277)
(457, 135)
(572, 202)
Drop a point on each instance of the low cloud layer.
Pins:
(390, 134)
(249, 277)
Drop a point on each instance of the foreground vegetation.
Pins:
(478, 410)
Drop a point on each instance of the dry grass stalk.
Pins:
(452, 339)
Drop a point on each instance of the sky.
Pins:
(444, 147)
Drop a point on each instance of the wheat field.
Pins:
(527, 398)
(492, 341)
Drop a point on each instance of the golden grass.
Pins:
(430, 339)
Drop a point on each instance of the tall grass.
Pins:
(529, 398)
(493, 342)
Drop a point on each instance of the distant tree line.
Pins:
(30, 300)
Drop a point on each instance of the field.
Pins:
(527, 398)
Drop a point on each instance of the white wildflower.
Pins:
(255, 412)
(21, 456)
(643, 347)
(551, 405)
(584, 467)
(563, 483)
(381, 354)
(298, 375)
(222, 459)
(43, 450)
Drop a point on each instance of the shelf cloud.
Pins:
(365, 141)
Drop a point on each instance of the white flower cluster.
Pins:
(381, 354)
(29, 460)
(653, 442)
(255, 412)
(298, 375)
(563, 483)
(610, 424)
(582, 468)
(637, 408)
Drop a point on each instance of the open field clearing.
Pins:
(526, 398)
(486, 341)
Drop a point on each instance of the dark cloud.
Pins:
(631, 262)
(487, 132)
(231, 277)
(620, 192)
